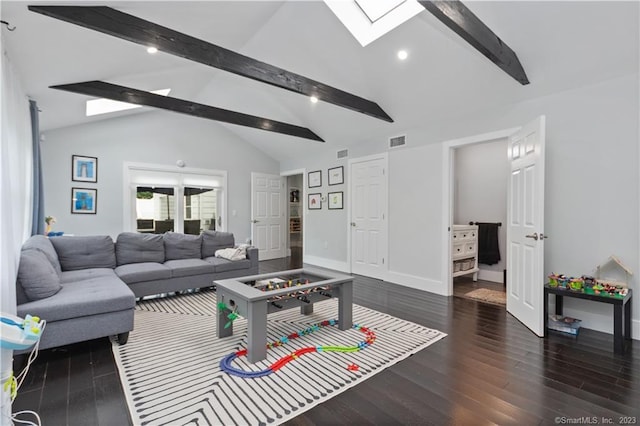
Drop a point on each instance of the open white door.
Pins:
(267, 215)
(368, 182)
(525, 232)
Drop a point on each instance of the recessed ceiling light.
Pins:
(104, 106)
(313, 99)
(152, 50)
(402, 54)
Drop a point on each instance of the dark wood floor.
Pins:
(489, 370)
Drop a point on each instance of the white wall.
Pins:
(414, 216)
(325, 230)
(156, 138)
(592, 187)
(480, 194)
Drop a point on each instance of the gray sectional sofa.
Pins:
(86, 287)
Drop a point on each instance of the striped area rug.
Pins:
(170, 367)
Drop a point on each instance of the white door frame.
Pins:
(128, 200)
(447, 193)
(350, 162)
(303, 197)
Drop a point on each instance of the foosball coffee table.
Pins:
(256, 296)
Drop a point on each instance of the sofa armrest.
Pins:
(252, 255)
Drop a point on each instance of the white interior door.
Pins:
(369, 217)
(267, 215)
(525, 232)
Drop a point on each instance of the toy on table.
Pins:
(576, 284)
(558, 280)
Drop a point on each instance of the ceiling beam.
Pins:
(114, 92)
(463, 22)
(128, 27)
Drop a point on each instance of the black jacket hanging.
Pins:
(488, 248)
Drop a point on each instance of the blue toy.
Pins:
(18, 333)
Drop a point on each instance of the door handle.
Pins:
(255, 221)
(534, 236)
(353, 224)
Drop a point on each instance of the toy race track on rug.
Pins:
(225, 363)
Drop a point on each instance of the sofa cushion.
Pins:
(84, 298)
(147, 271)
(133, 247)
(224, 265)
(188, 267)
(215, 240)
(86, 274)
(85, 252)
(42, 243)
(181, 246)
(36, 276)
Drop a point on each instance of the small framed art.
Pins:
(335, 200)
(315, 179)
(315, 202)
(84, 200)
(336, 175)
(84, 169)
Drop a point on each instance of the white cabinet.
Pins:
(464, 245)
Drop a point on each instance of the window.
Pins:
(158, 199)
(200, 209)
(154, 207)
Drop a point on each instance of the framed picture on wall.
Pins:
(335, 200)
(84, 169)
(315, 179)
(315, 202)
(336, 176)
(84, 200)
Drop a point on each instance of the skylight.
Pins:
(375, 10)
(105, 106)
(369, 20)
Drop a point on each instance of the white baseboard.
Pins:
(407, 280)
(336, 265)
(595, 316)
(412, 281)
(635, 333)
(493, 276)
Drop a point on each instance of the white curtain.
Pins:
(16, 169)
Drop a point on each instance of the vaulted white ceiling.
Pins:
(562, 45)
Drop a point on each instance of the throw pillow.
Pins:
(42, 243)
(36, 276)
(181, 246)
(132, 247)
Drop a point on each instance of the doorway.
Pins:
(295, 238)
(525, 218)
(480, 180)
(267, 215)
(368, 189)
